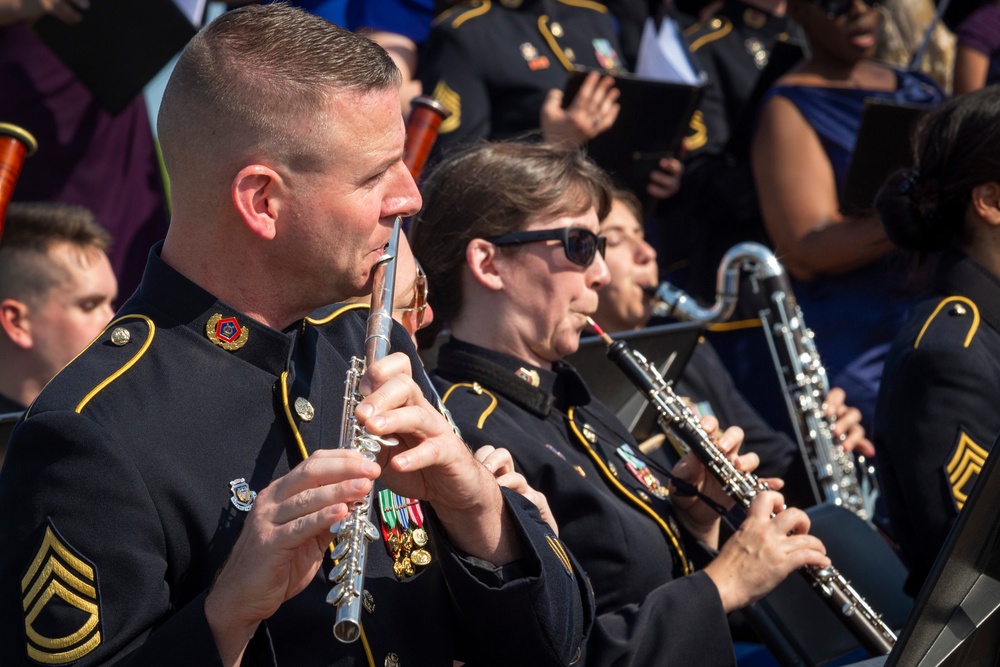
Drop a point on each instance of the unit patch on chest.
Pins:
(61, 602)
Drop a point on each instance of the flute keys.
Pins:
(340, 549)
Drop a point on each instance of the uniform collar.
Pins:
(957, 273)
(164, 288)
(560, 387)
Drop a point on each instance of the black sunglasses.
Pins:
(581, 245)
(837, 8)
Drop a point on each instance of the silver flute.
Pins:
(681, 422)
(835, 475)
(356, 530)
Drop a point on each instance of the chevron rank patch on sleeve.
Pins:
(964, 466)
(62, 621)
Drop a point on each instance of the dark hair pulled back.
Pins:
(957, 148)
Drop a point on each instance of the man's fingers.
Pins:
(383, 370)
(312, 501)
(323, 467)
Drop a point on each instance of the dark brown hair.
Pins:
(27, 272)
(957, 148)
(246, 76)
(492, 189)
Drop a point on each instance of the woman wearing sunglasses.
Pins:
(849, 288)
(509, 235)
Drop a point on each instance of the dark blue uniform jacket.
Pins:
(937, 417)
(620, 528)
(116, 508)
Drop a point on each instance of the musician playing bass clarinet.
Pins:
(936, 417)
(155, 507)
(625, 304)
(510, 239)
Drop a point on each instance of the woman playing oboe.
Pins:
(509, 238)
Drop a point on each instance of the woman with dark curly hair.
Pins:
(936, 417)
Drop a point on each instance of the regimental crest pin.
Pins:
(242, 497)
(226, 332)
(529, 375)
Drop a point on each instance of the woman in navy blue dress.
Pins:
(848, 284)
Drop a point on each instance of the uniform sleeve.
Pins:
(936, 422)
(679, 623)
(83, 572)
(449, 72)
(545, 604)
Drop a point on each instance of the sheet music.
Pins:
(663, 55)
(194, 10)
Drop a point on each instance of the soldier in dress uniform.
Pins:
(168, 498)
(509, 240)
(57, 291)
(936, 416)
(716, 206)
(497, 65)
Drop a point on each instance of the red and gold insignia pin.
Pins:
(226, 332)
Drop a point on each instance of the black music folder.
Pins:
(667, 346)
(883, 147)
(119, 46)
(651, 124)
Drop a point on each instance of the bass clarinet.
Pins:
(356, 530)
(679, 420)
(834, 475)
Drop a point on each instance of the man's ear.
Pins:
(482, 259)
(16, 323)
(258, 195)
(986, 202)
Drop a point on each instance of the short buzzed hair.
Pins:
(31, 230)
(245, 76)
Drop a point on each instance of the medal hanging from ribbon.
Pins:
(640, 470)
(403, 532)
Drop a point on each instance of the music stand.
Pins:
(884, 146)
